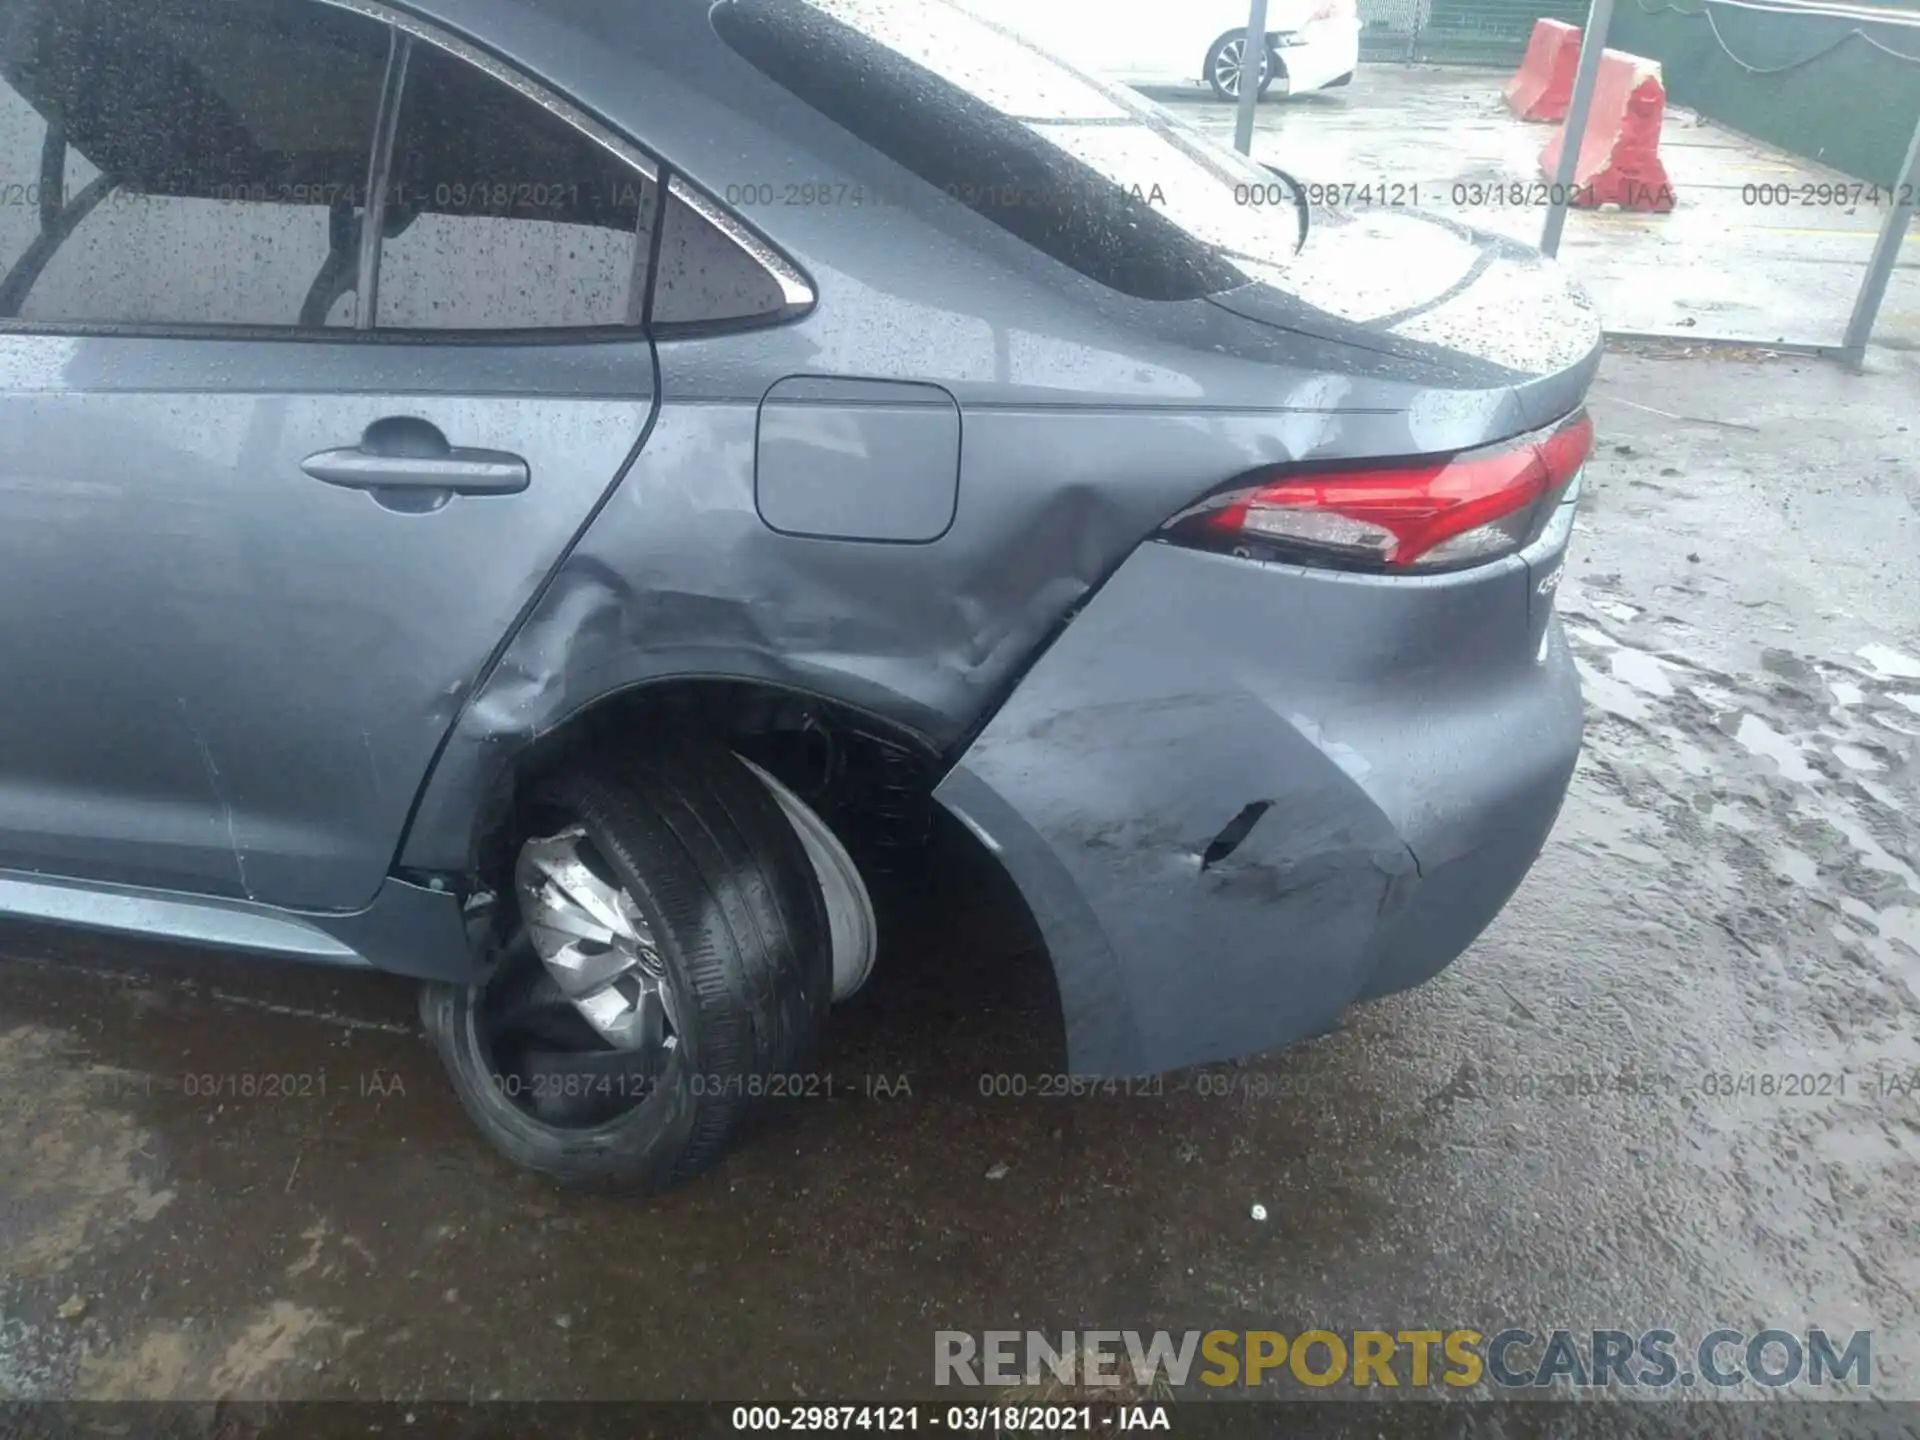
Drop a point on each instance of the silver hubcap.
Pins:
(592, 939)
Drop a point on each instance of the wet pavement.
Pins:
(1759, 245)
(222, 1179)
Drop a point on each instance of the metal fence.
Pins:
(1840, 86)
(1460, 32)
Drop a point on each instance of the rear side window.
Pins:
(170, 162)
(708, 276)
(1098, 179)
(503, 216)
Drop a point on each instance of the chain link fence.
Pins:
(1458, 32)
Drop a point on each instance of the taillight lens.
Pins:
(1417, 515)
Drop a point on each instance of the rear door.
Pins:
(257, 536)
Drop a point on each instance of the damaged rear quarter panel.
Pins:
(1129, 749)
(1087, 420)
(1073, 450)
(1402, 744)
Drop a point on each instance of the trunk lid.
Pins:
(1476, 310)
(1394, 279)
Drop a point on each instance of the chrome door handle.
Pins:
(464, 472)
(408, 454)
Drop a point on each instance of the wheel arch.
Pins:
(1277, 58)
(1102, 1035)
(499, 745)
(476, 788)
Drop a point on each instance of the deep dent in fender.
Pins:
(760, 608)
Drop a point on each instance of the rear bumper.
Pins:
(1320, 54)
(1410, 740)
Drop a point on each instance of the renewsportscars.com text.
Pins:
(1508, 1359)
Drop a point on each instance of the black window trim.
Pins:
(373, 222)
(404, 29)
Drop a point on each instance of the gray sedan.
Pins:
(555, 500)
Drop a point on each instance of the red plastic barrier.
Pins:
(1619, 160)
(1542, 88)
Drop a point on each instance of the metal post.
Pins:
(1255, 45)
(1866, 307)
(1599, 18)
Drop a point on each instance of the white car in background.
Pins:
(1311, 44)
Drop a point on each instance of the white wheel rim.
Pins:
(850, 917)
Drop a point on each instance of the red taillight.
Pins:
(1416, 515)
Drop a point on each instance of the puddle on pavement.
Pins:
(1645, 673)
(1855, 758)
(1889, 663)
(1845, 692)
(1761, 739)
(1795, 866)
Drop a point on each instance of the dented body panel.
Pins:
(1404, 747)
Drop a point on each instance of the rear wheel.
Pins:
(1224, 66)
(672, 955)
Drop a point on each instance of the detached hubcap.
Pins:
(594, 943)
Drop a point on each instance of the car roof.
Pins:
(506, 25)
